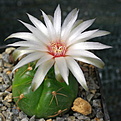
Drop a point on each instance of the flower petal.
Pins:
(30, 45)
(68, 24)
(69, 17)
(89, 46)
(57, 21)
(80, 28)
(87, 57)
(99, 33)
(44, 58)
(81, 53)
(23, 35)
(62, 66)
(93, 61)
(58, 76)
(77, 72)
(51, 29)
(77, 22)
(20, 52)
(29, 58)
(38, 24)
(41, 37)
(82, 37)
(41, 73)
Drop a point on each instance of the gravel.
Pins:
(10, 112)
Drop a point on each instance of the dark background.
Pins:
(108, 17)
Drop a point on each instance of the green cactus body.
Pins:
(51, 99)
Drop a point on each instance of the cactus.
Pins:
(51, 99)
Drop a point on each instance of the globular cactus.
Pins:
(51, 99)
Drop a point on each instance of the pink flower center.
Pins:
(57, 49)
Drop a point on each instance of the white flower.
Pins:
(59, 45)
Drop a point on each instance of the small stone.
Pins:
(1, 79)
(8, 98)
(6, 103)
(6, 79)
(82, 106)
(15, 111)
(5, 56)
(25, 119)
(97, 119)
(97, 95)
(49, 120)
(93, 91)
(8, 114)
(3, 108)
(0, 56)
(96, 103)
(8, 72)
(1, 69)
(22, 115)
(71, 118)
(99, 113)
(83, 118)
(9, 89)
(92, 84)
(6, 64)
(1, 63)
(16, 118)
(2, 117)
(76, 114)
(32, 118)
(89, 97)
(1, 94)
(93, 114)
(59, 119)
(42, 119)
(3, 87)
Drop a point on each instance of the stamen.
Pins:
(57, 49)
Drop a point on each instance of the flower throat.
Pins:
(57, 49)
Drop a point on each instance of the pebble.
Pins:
(15, 111)
(97, 103)
(5, 56)
(42, 119)
(25, 119)
(3, 87)
(8, 98)
(82, 106)
(89, 97)
(6, 103)
(59, 119)
(22, 115)
(71, 118)
(9, 111)
(32, 118)
(6, 79)
(85, 118)
(1, 62)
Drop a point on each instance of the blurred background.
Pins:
(108, 17)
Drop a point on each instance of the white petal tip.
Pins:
(106, 32)
(86, 88)
(6, 39)
(109, 47)
(34, 86)
(10, 36)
